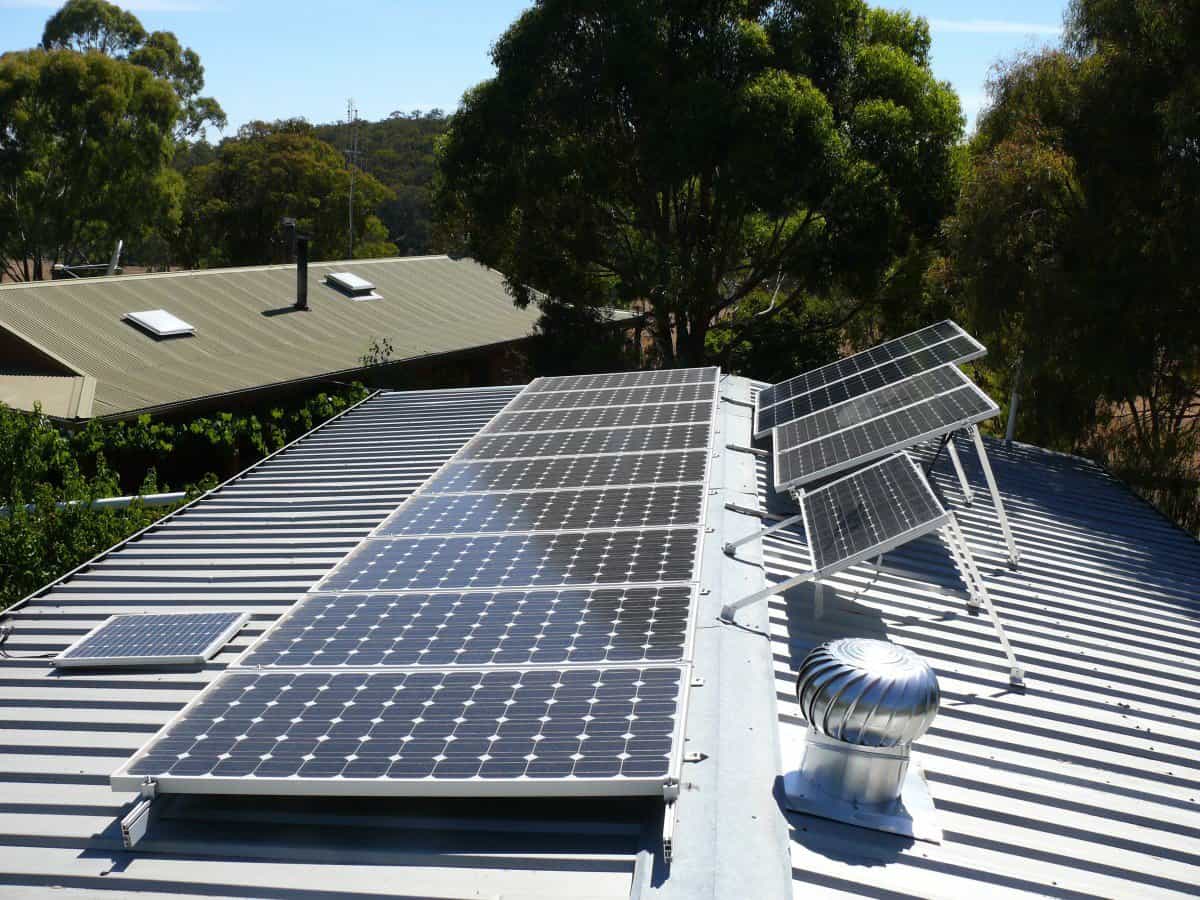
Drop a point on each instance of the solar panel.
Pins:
(152, 640)
(631, 396)
(659, 378)
(541, 731)
(570, 472)
(602, 417)
(533, 560)
(878, 403)
(563, 510)
(565, 537)
(864, 514)
(693, 436)
(797, 464)
(868, 359)
(479, 628)
(802, 404)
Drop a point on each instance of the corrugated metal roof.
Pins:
(1087, 783)
(63, 396)
(246, 334)
(255, 545)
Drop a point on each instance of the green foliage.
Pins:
(270, 170)
(771, 346)
(1076, 246)
(399, 152)
(84, 152)
(571, 340)
(689, 156)
(44, 465)
(87, 26)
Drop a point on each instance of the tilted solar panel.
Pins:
(800, 463)
(803, 404)
(868, 512)
(153, 640)
(877, 403)
(868, 359)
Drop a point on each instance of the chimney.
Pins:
(866, 701)
(301, 271)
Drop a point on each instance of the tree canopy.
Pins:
(271, 170)
(94, 26)
(1076, 245)
(84, 148)
(690, 155)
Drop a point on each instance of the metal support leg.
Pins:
(729, 610)
(1014, 555)
(968, 494)
(1016, 674)
(731, 546)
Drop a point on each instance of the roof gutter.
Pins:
(108, 502)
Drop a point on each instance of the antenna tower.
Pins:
(352, 155)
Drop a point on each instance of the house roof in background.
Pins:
(247, 335)
(61, 396)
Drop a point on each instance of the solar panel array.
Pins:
(521, 625)
(153, 639)
(863, 514)
(863, 372)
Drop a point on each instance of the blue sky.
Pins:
(269, 59)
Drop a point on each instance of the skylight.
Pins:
(160, 323)
(353, 286)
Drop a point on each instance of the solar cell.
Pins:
(632, 396)
(511, 561)
(692, 436)
(861, 515)
(153, 640)
(601, 417)
(407, 733)
(479, 628)
(570, 472)
(565, 510)
(965, 346)
(803, 404)
(877, 403)
(657, 378)
(799, 464)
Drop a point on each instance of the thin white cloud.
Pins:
(994, 26)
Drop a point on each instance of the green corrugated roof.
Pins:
(431, 305)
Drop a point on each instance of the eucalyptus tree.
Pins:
(686, 156)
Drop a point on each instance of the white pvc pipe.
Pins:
(111, 502)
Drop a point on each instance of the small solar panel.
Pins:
(570, 472)
(479, 628)
(562, 510)
(864, 514)
(693, 436)
(153, 640)
(803, 404)
(865, 407)
(602, 731)
(878, 355)
(659, 378)
(602, 417)
(512, 561)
